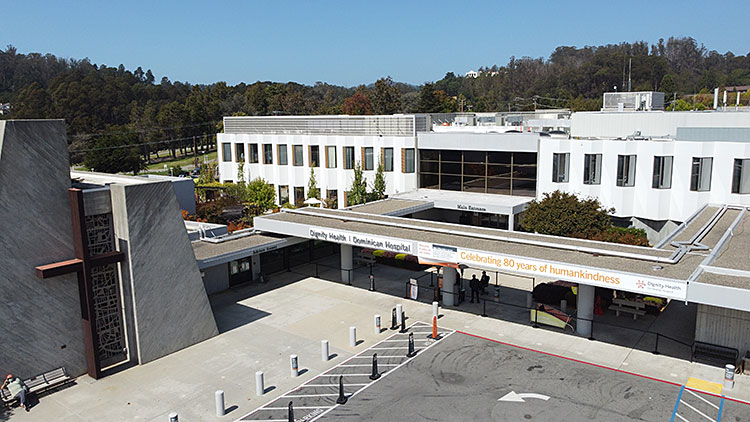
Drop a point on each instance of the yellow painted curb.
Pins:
(703, 385)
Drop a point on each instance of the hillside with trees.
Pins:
(113, 108)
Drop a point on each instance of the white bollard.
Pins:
(377, 324)
(324, 355)
(729, 376)
(173, 417)
(435, 309)
(399, 313)
(220, 409)
(352, 336)
(260, 388)
(294, 363)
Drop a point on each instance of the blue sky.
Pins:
(350, 42)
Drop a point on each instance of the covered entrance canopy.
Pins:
(674, 270)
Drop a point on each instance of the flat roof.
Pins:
(87, 179)
(481, 202)
(215, 251)
(393, 206)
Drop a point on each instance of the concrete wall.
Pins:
(170, 308)
(650, 123)
(725, 327)
(184, 188)
(216, 278)
(40, 323)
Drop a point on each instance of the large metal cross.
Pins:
(82, 265)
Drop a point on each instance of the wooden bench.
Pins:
(713, 354)
(627, 306)
(39, 384)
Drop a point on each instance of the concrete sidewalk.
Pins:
(291, 315)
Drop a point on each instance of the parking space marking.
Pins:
(677, 404)
(331, 372)
(706, 401)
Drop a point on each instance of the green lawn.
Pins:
(182, 162)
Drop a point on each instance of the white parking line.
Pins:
(697, 411)
(312, 395)
(678, 415)
(702, 398)
(328, 385)
(382, 356)
(296, 407)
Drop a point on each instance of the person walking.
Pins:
(484, 281)
(17, 389)
(474, 284)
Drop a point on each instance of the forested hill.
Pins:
(111, 105)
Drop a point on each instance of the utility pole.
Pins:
(195, 154)
(630, 69)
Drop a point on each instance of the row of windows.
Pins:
(367, 155)
(700, 171)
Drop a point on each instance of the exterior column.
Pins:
(449, 283)
(585, 306)
(346, 263)
(255, 265)
(511, 221)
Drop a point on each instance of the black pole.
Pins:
(375, 375)
(411, 352)
(484, 308)
(291, 412)
(349, 278)
(436, 296)
(591, 336)
(394, 324)
(403, 322)
(536, 313)
(432, 283)
(342, 398)
(372, 282)
(316, 270)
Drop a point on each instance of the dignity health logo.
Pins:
(641, 284)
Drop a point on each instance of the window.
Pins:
(367, 158)
(626, 170)
(662, 172)
(741, 176)
(253, 152)
(560, 163)
(239, 152)
(407, 160)
(297, 155)
(226, 152)
(283, 194)
(314, 156)
(333, 198)
(387, 159)
(282, 155)
(348, 158)
(267, 154)
(299, 196)
(331, 157)
(700, 175)
(592, 169)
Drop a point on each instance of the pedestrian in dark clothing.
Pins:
(475, 286)
(484, 281)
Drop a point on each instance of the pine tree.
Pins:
(378, 188)
(312, 186)
(358, 191)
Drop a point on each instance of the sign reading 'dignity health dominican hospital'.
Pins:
(361, 240)
(660, 287)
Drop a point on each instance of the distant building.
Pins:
(472, 74)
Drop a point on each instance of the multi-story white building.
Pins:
(654, 168)
(284, 150)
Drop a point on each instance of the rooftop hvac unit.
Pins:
(633, 101)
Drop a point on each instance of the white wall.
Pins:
(651, 123)
(642, 200)
(296, 176)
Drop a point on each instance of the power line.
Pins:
(151, 129)
(133, 145)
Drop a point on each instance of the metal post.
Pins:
(656, 346)
(729, 376)
(432, 282)
(399, 312)
(324, 355)
(173, 417)
(377, 324)
(220, 409)
(260, 388)
(484, 308)
(372, 282)
(294, 365)
(352, 336)
(435, 309)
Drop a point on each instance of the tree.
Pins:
(111, 154)
(378, 187)
(312, 186)
(564, 214)
(262, 194)
(386, 98)
(358, 191)
(357, 104)
(434, 101)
